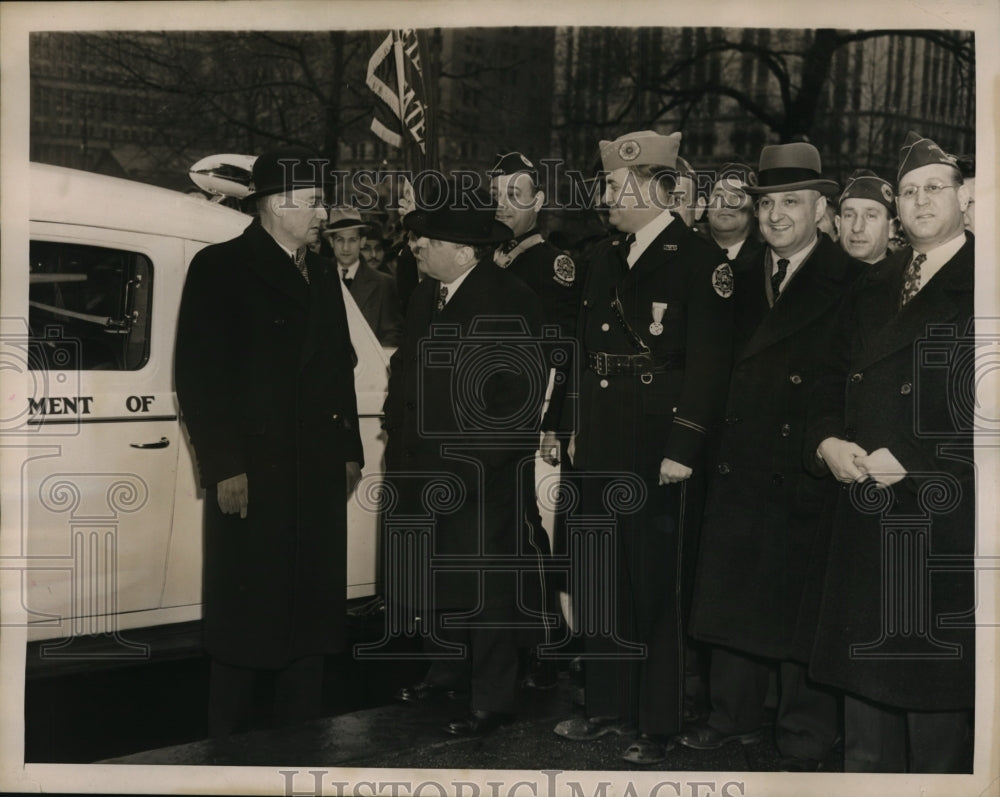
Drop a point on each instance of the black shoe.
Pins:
(542, 674)
(647, 750)
(703, 736)
(583, 729)
(794, 763)
(477, 723)
(424, 690)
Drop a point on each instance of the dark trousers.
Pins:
(636, 672)
(806, 719)
(879, 738)
(298, 694)
(486, 663)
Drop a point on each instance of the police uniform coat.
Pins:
(264, 374)
(462, 411)
(763, 529)
(627, 424)
(903, 384)
(376, 297)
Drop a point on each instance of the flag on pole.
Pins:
(395, 76)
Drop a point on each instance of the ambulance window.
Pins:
(88, 307)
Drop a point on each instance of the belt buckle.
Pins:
(646, 378)
(602, 363)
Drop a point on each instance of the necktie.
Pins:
(343, 276)
(778, 277)
(299, 261)
(911, 279)
(625, 247)
(442, 297)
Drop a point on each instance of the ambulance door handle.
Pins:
(161, 443)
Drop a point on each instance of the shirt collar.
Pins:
(646, 236)
(352, 270)
(794, 261)
(938, 256)
(454, 285)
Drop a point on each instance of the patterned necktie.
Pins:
(344, 278)
(442, 297)
(778, 277)
(911, 279)
(299, 260)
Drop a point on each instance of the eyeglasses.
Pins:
(931, 190)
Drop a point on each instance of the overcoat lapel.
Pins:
(817, 285)
(269, 262)
(938, 300)
(364, 285)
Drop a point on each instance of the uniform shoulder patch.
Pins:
(565, 269)
(722, 280)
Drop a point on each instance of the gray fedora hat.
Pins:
(791, 167)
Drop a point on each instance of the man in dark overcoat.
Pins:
(462, 413)
(655, 346)
(866, 214)
(895, 413)
(373, 291)
(763, 530)
(264, 373)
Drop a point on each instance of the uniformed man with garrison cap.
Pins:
(655, 343)
(865, 216)
(552, 275)
(894, 412)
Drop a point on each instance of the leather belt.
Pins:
(604, 364)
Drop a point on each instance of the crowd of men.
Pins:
(764, 433)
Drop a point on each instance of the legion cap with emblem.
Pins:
(285, 169)
(865, 184)
(343, 217)
(791, 167)
(918, 151)
(461, 216)
(514, 163)
(644, 148)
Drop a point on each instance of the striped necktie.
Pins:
(299, 261)
(778, 277)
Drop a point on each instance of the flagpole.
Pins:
(397, 47)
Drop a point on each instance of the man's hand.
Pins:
(352, 473)
(882, 466)
(233, 495)
(571, 450)
(549, 448)
(841, 457)
(672, 472)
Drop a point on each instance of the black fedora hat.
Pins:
(285, 169)
(791, 167)
(458, 216)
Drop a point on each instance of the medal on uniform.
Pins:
(656, 328)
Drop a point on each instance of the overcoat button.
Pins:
(603, 383)
(795, 379)
(605, 327)
(785, 430)
(732, 418)
(335, 417)
(905, 389)
(723, 468)
(856, 378)
(849, 433)
(778, 479)
(279, 322)
(410, 405)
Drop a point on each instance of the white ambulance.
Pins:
(111, 516)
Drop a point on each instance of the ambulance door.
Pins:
(98, 487)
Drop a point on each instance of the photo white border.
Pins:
(18, 19)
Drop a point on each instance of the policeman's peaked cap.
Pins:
(791, 167)
(643, 148)
(461, 216)
(918, 151)
(285, 169)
